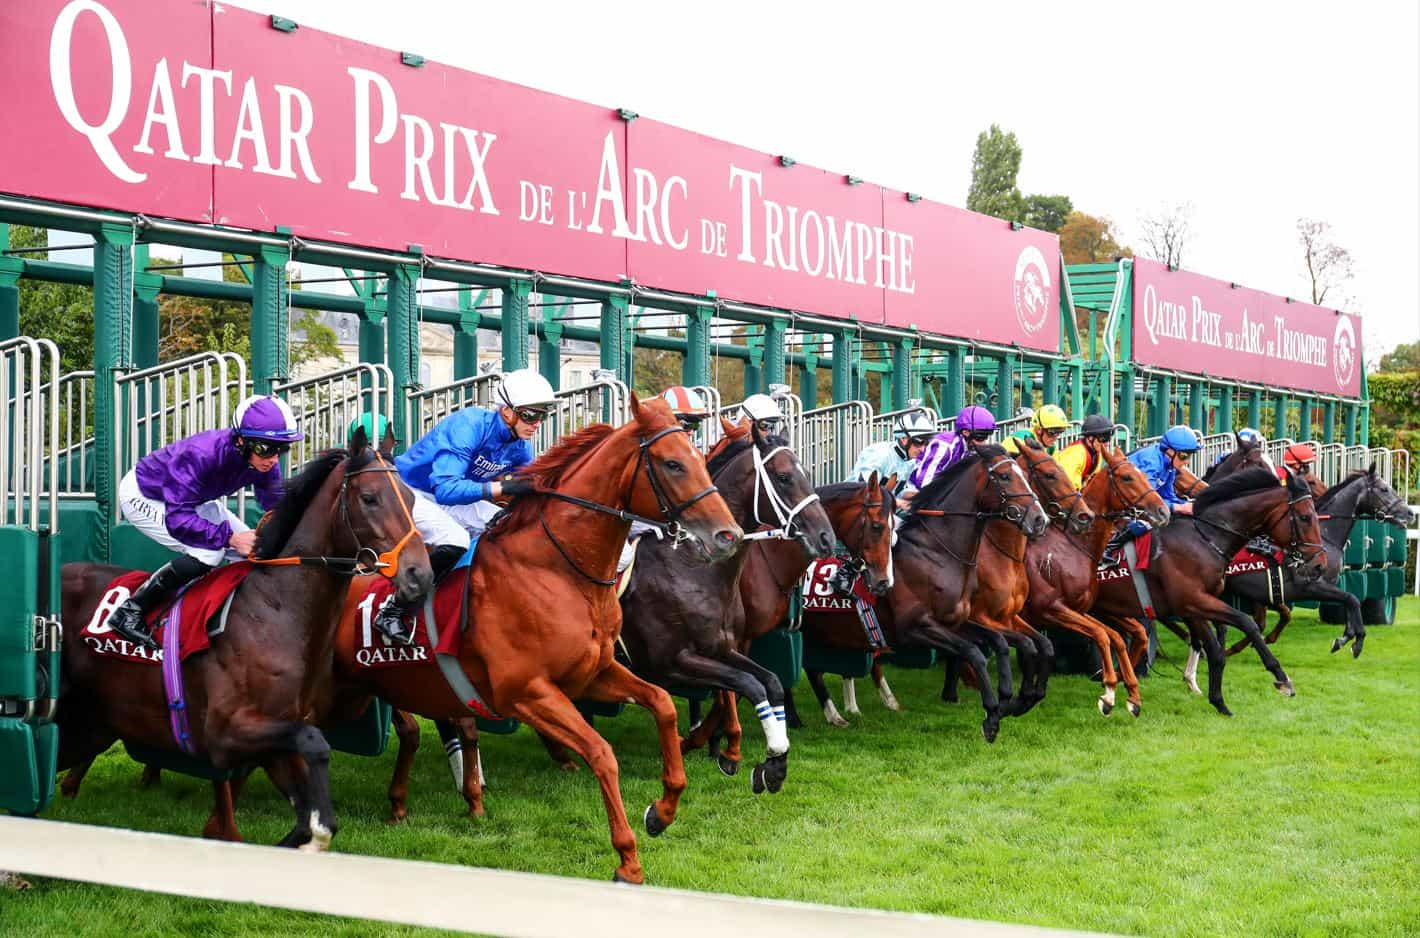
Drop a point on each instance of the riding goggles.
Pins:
(268, 448)
(979, 436)
(530, 415)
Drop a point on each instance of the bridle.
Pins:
(1007, 509)
(1055, 508)
(366, 560)
(785, 514)
(671, 527)
(1296, 553)
(1131, 509)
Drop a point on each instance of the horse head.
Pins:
(1127, 492)
(864, 515)
(1382, 501)
(1060, 499)
(762, 472)
(1002, 491)
(1299, 527)
(1187, 484)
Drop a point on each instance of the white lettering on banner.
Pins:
(207, 125)
(61, 79)
(364, 81)
(161, 96)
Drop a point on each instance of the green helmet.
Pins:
(373, 424)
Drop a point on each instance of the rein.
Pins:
(366, 560)
(782, 511)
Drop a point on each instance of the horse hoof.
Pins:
(838, 721)
(618, 878)
(728, 767)
(949, 698)
(1133, 709)
(776, 770)
(1336, 645)
(990, 727)
(654, 825)
(1106, 708)
(756, 779)
(795, 723)
(1285, 688)
(1222, 708)
(1356, 650)
(712, 747)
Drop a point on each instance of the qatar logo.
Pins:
(1343, 360)
(1032, 290)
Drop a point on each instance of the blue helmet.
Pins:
(262, 417)
(974, 418)
(1180, 439)
(1249, 435)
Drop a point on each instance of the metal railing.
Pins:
(1354, 458)
(326, 405)
(1392, 465)
(790, 406)
(605, 400)
(1330, 461)
(168, 402)
(709, 430)
(1274, 449)
(73, 448)
(29, 430)
(831, 439)
(428, 406)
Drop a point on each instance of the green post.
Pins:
(1254, 408)
(842, 368)
(1005, 406)
(403, 340)
(270, 317)
(1077, 390)
(952, 400)
(1197, 406)
(695, 369)
(1304, 419)
(901, 373)
(773, 343)
(754, 366)
(808, 375)
(1159, 406)
(372, 330)
(1328, 422)
(615, 312)
(1280, 406)
(146, 287)
(1225, 409)
(549, 344)
(1350, 418)
(1126, 411)
(514, 337)
(113, 317)
(466, 333)
(1050, 382)
(10, 269)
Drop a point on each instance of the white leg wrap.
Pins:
(850, 696)
(885, 693)
(455, 755)
(478, 764)
(776, 738)
(1190, 670)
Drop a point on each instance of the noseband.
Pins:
(764, 486)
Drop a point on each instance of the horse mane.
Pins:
(546, 472)
(280, 522)
(1324, 502)
(935, 493)
(729, 448)
(1237, 485)
(836, 490)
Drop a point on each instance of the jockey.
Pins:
(898, 456)
(1160, 464)
(765, 413)
(177, 496)
(1299, 457)
(1246, 435)
(455, 473)
(1082, 458)
(974, 426)
(1045, 428)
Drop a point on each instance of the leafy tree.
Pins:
(1086, 239)
(1405, 357)
(63, 312)
(994, 167)
(1047, 212)
(1328, 263)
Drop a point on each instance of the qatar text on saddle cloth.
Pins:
(201, 601)
(373, 650)
(1143, 546)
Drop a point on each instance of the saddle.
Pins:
(1115, 565)
(205, 605)
(821, 591)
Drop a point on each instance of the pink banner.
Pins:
(93, 94)
(713, 216)
(976, 278)
(1196, 324)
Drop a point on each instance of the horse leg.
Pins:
(1044, 657)
(775, 767)
(1217, 661)
(825, 699)
(559, 753)
(473, 782)
(453, 749)
(1062, 616)
(222, 822)
(1025, 652)
(249, 735)
(961, 648)
(745, 682)
(791, 711)
(69, 788)
(702, 731)
(406, 729)
(553, 714)
(884, 691)
(1226, 615)
(1284, 616)
(951, 677)
(850, 697)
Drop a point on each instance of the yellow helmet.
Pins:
(1050, 417)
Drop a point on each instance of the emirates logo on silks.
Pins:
(1343, 357)
(1032, 289)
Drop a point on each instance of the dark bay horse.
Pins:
(256, 696)
(935, 566)
(1185, 578)
(1361, 494)
(863, 519)
(1062, 564)
(682, 625)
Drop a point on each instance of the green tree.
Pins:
(1404, 357)
(1086, 239)
(994, 166)
(1047, 212)
(63, 312)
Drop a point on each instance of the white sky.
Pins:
(1256, 113)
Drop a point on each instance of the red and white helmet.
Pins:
(685, 402)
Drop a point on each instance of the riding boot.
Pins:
(389, 621)
(128, 619)
(1114, 548)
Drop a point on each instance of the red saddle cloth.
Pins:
(819, 594)
(1143, 547)
(201, 601)
(1246, 561)
(373, 650)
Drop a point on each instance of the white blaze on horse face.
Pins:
(892, 521)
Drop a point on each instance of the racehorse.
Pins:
(257, 694)
(1185, 577)
(1362, 493)
(1062, 564)
(682, 623)
(935, 566)
(863, 520)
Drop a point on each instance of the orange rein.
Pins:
(386, 564)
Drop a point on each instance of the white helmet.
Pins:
(526, 388)
(915, 423)
(761, 407)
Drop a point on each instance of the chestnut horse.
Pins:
(935, 566)
(1063, 561)
(256, 696)
(1185, 579)
(682, 625)
(863, 519)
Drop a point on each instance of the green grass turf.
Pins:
(1295, 817)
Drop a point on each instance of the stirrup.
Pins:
(391, 626)
(131, 626)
